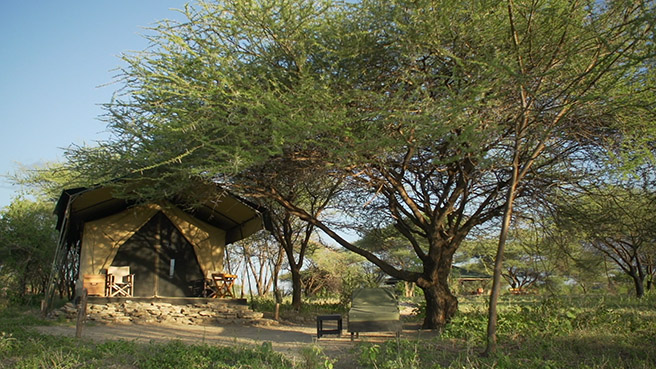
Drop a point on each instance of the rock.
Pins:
(212, 312)
(249, 314)
(264, 322)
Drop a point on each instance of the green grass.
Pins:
(591, 332)
(533, 332)
(23, 348)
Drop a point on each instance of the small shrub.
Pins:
(314, 358)
(467, 325)
(6, 342)
(59, 359)
(309, 309)
(368, 355)
(392, 354)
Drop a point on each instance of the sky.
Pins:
(57, 63)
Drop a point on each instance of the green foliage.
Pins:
(569, 332)
(228, 85)
(389, 244)
(28, 240)
(525, 318)
(6, 342)
(614, 221)
(574, 332)
(334, 273)
(525, 265)
(411, 106)
(175, 354)
(313, 358)
(46, 182)
(171, 354)
(400, 353)
(308, 311)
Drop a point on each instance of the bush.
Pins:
(309, 308)
(313, 357)
(399, 353)
(554, 332)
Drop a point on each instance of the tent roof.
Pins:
(463, 273)
(237, 217)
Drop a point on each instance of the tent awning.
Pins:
(237, 217)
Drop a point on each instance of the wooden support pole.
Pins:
(81, 314)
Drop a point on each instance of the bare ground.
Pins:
(287, 338)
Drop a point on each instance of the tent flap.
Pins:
(208, 241)
(103, 237)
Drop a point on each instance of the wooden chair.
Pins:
(119, 282)
(209, 287)
(223, 283)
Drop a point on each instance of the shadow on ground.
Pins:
(288, 339)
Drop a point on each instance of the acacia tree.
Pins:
(300, 185)
(617, 222)
(337, 272)
(411, 109)
(46, 182)
(295, 235)
(573, 64)
(240, 84)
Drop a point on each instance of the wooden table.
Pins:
(321, 331)
(223, 283)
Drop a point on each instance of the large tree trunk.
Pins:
(409, 289)
(297, 288)
(441, 304)
(639, 286)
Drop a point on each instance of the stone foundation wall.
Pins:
(214, 312)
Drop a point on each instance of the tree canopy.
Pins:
(427, 113)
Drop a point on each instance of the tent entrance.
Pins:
(163, 261)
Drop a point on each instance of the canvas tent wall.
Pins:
(166, 247)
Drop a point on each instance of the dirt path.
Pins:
(288, 339)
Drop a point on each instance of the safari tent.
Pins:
(168, 248)
(471, 281)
